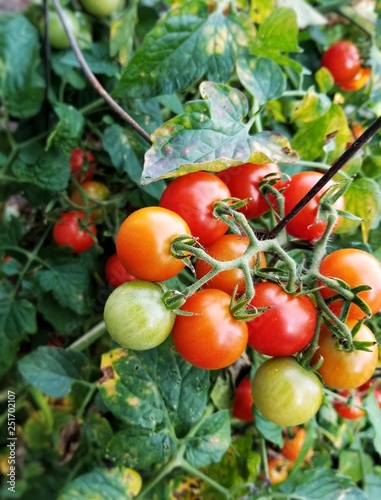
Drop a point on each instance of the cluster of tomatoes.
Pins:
(343, 60)
(155, 243)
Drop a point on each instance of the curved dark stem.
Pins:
(47, 64)
(94, 81)
(339, 163)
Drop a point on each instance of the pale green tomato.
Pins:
(100, 8)
(136, 317)
(57, 35)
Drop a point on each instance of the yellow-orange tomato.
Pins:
(293, 445)
(357, 82)
(226, 248)
(89, 194)
(278, 470)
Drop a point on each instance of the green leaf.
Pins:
(124, 155)
(211, 440)
(324, 79)
(306, 15)
(165, 62)
(8, 353)
(122, 32)
(97, 57)
(21, 85)
(98, 484)
(372, 485)
(53, 370)
(281, 20)
(311, 107)
(68, 131)
(362, 199)
(50, 170)
(66, 71)
(97, 431)
(354, 464)
(68, 280)
(17, 315)
(211, 135)
(261, 77)
(11, 233)
(61, 318)
(270, 431)
(374, 416)
(375, 61)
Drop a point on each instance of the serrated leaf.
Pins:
(53, 370)
(21, 84)
(68, 280)
(11, 233)
(98, 484)
(281, 20)
(374, 417)
(270, 431)
(166, 62)
(261, 77)
(68, 131)
(51, 170)
(17, 315)
(211, 135)
(211, 440)
(61, 318)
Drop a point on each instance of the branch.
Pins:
(94, 81)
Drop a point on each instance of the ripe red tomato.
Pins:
(341, 369)
(93, 190)
(358, 82)
(243, 182)
(285, 392)
(211, 338)
(243, 401)
(115, 273)
(144, 240)
(293, 444)
(192, 197)
(278, 470)
(305, 225)
(287, 327)
(226, 248)
(355, 267)
(350, 409)
(82, 164)
(68, 231)
(343, 60)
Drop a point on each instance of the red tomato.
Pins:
(143, 243)
(287, 327)
(243, 182)
(358, 82)
(68, 231)
(226, 248)
(343, 60)
(355, 267)
(82, 164)
(192, 197)
(93, 190)
(305, 225)
(350, 409)
(211, 338)
(341, 369)
(293, 444)
(243, 401)
(115, 273)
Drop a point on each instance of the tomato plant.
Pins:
(343, 60)
(210, 338)
(88, 194)
(285, 392)
(227, 247)
(289, 322)
(149, 321)
(355, 267)
(192, 197)
(243, 401)
(350, 409)
(341, 369)
(243, 182)
(72, 230)
(148, 234)
(115, 273)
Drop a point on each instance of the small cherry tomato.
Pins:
(82, 164)
(341, 369)
(56, 33)
(68, 231)
(355, 267)
(349, 409)
(285, 392)
(243, 401)
(211, 338)
(343, 60)
(287, 327)
(192, 197)
(226, 248)
(143, 243)
(115, 273)
(278, 470)
(358, 82)
(89, 193)
(243, 182)
(293, 444)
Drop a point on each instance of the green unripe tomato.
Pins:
(136, 317)
(57, 35)
(285, 392)
(100, 8)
